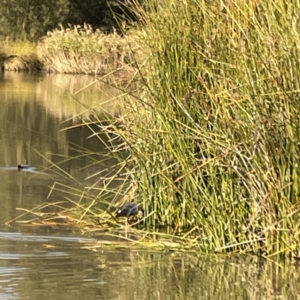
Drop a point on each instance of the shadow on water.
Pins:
(43, 263)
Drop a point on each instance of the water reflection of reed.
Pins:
(74, 96)
(158, 276)
(31, 129)
(30, 98)
(56, 268)
(26, 133)
(25, 124)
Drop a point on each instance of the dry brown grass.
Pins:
(80, 49)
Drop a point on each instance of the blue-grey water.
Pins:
(50, 262)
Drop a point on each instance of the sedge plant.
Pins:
(213, 136)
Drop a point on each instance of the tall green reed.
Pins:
(213, 136)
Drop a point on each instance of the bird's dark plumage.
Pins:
(23, 166)
(129, 209)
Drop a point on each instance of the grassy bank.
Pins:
(77, 50)
(19, 56)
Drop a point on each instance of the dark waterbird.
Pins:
(129, 209)
(23, 166)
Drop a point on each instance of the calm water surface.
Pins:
(47, 263)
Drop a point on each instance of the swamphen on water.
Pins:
(23, 166)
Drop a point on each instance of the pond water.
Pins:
(48, 263)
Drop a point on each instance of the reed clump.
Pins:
(80, 49)
(213, 138)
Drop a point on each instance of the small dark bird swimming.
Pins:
(129, 209)
(23, 166)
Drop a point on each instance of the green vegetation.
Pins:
(31, 19)
(23, 20)
(212, 140)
